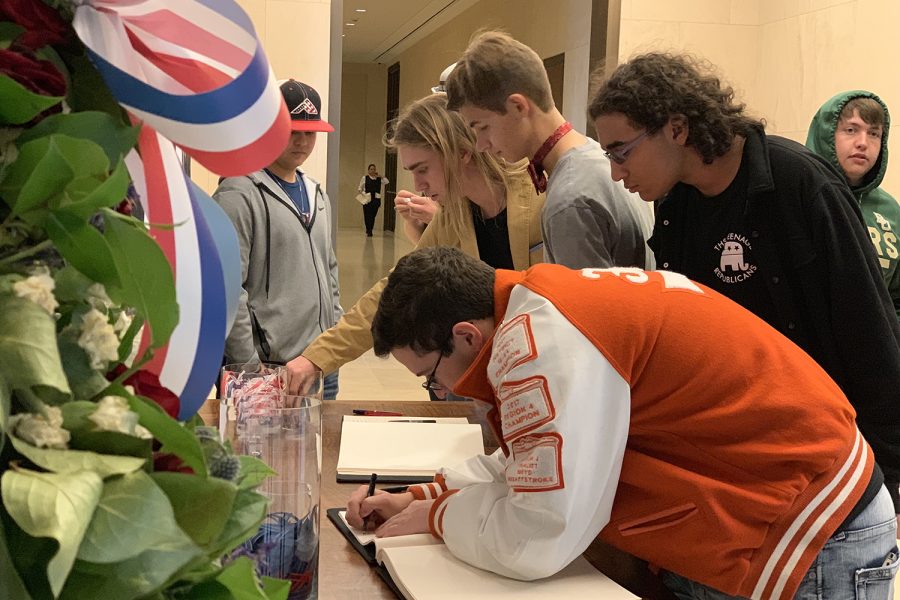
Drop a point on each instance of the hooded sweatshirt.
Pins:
(880, 210)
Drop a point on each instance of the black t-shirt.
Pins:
(719, 253)
(492, 236)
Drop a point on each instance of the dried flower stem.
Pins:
(26, 253)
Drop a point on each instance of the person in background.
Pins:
(501, 89)
(488, 209)
(372, 184)
(289, 272)
(641, 407)
(851, 132)
(762, 220)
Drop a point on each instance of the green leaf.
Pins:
(8, 32)
(202, 505)
(133, 515)
(44, 168)
(240, 579)
(87, 90)
(145, 274)
(109, 133)
(29, 357)
(5, 404)
(13, 587)
(247, 514)
(83, 379)
(72, 461)
(137, 577)
(75, 415)
(109, 193)
(276, 589)
(30, 556)
(174, 438)
(53, 505)
(71, 284)
(83, 247)
(19, 104)
(253, 472)
(126, 346)
(112, 442)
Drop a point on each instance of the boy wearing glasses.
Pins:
(501, 89)
(762, 220)
(644, 410)
(851, 132)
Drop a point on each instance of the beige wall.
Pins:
(550, 28)
(279, 24)
(363, 109)
(784, 57)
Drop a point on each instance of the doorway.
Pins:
(390, 158)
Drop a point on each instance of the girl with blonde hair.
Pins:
(484, 206)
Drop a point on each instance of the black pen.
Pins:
(412, 421)
(369, 493)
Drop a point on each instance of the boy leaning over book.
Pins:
(643, 408)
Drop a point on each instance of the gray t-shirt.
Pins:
(591, 221)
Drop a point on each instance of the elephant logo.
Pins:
(733, 257)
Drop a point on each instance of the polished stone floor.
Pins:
(363, 261)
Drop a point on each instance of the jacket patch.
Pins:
(524, 405)
(513, 346)
(734, 264)
(537, 463)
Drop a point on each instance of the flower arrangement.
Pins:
(104, 493)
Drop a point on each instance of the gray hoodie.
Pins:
(288, 268)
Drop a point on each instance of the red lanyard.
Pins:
(535, 165)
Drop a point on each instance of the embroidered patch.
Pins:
(537, 463)
(513, 345)
(524, 405)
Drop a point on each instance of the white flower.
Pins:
(98, 338)
(97, 297)
(123, 322)
(39, 289)
(43, 430)
(112, 414)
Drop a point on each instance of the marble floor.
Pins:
(361, 262)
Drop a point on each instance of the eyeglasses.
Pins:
(620, 154)
(430, 383)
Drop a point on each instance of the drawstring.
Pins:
(268, 246)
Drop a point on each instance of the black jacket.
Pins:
(822, 276)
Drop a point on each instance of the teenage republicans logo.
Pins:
(733, 264)
(305, 107)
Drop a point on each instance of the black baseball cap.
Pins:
(304, 105)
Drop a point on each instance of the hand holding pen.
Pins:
(369, 493)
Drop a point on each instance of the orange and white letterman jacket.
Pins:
(650, 409)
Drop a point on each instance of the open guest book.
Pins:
(420, 567)
(404, 449)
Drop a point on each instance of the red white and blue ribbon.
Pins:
(194, 73)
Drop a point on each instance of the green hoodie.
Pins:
(880, 211)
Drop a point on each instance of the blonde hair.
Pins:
(493, 67)
(427, 123)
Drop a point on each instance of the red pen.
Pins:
(375, 413)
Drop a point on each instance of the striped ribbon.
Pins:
(194, 74)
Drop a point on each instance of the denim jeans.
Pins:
(857, 563)
(330, 386)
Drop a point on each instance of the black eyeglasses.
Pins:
(430, 383)
(620, 155)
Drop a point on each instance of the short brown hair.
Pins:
(428, 292)
(651, 88)
(869, 110)
(492, 68)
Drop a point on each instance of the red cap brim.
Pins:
(300, 125)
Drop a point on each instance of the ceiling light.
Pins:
(360, 10)
(350, 24)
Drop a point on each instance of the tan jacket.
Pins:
(352, 335)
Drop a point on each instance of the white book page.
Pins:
(368, 419)
(433, 573)
(405, 448)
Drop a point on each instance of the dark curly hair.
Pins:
(651, 88)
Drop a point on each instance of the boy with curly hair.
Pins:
(762, 220)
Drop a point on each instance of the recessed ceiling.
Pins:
(388, 27)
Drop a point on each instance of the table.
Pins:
(343, 573)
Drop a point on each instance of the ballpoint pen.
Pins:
(376, 413)
(369, 493)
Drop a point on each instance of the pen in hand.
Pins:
(370, 492)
